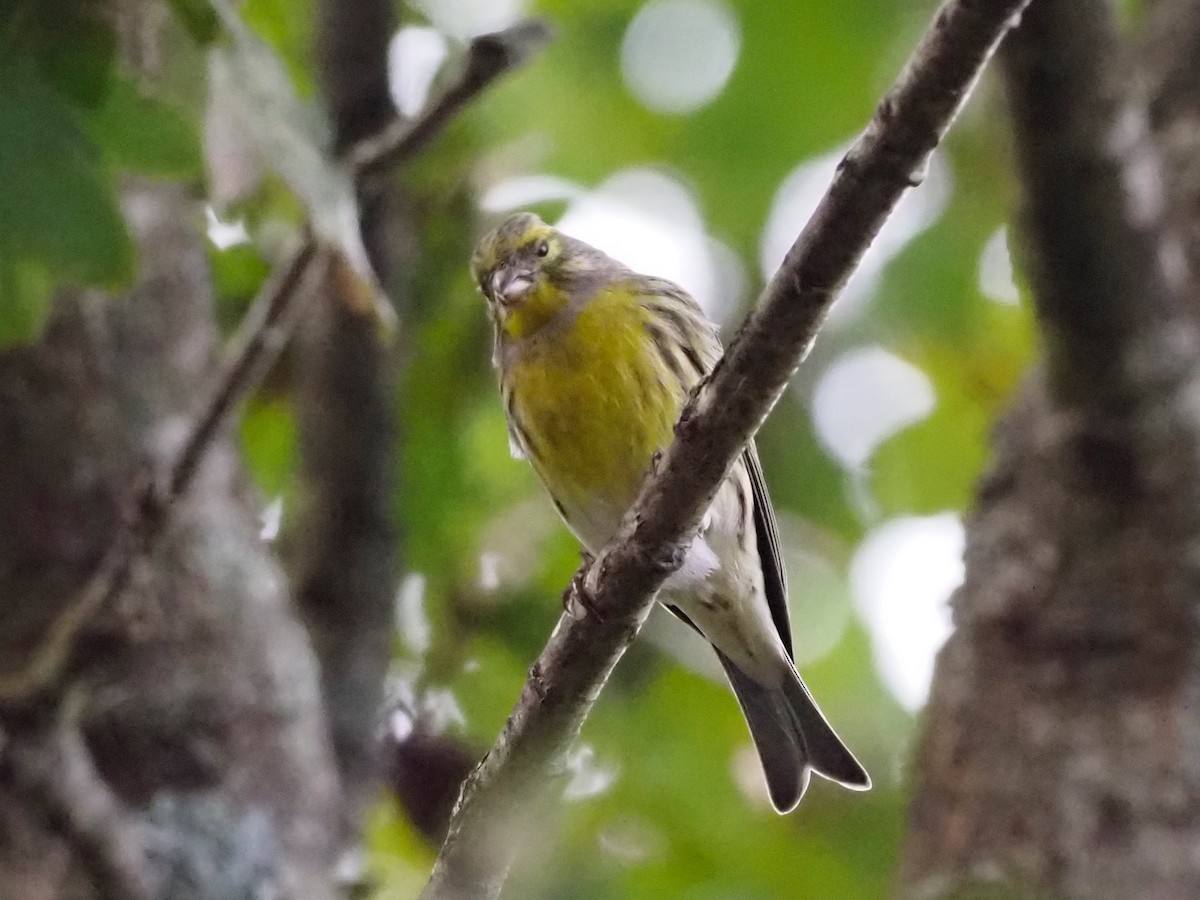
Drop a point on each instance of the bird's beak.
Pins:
(509, 285)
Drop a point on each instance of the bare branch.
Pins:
(489, 57)
(263, 334)
(1105, 271)
(512, 781)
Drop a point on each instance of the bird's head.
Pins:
(525, 269)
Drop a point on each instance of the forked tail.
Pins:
(792, 738)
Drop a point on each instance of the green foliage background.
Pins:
(669, 817)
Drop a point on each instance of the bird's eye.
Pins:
(543, 248)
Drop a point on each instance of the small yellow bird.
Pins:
(595, 363)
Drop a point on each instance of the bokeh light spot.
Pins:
(225, 234)
(863, 398)
(270, 519)
(463, 19)
(411, 621)
(902, 577)
(677, 55)
(414, 56)
(587, 776)
(521, 191)
(996, 270)
(651, 223)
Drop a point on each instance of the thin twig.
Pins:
(262, 336)
(488, 58)
(514, 778)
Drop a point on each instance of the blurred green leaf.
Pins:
(199, 19)
(57, 206)
(24, 301)
(238, 273)
(269, 441)
(142, 133)
(73, 43)
(394, 843)
(933, 466)
(288, 26)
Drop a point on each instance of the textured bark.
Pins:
(1170, 70)
(1061, 751)
(194, 694)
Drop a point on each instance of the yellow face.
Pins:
(515, 267)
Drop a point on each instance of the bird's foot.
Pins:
(578, 601)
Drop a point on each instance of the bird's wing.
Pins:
(686, 317)
(766, 531)
(771, 560)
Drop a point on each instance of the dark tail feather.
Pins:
(792, 738)
(827, 755)
(779, 743)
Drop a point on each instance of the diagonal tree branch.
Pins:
(264, 331)
(511, 782)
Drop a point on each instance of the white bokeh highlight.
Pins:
(490, 566)
(520, 191)
(801, 191)
(678, 55)
(411, 621)
(587, 777)
(651, 223)
(436, 709)
(901, 578)
(996, 280)
(630, 841)
(415, 54)
(270, 519)
(864, 397)
(465, 19)
(222, 234)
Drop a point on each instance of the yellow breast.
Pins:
(594, 403)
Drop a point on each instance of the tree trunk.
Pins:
(1061, 751)
(345, 566)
